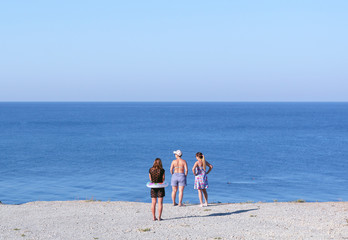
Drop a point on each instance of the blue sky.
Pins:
(174, 50)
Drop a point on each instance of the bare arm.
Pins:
(194, 168)
(171, 167)
(150, 177)
(209, 165)
(164, 176)
(186, 169)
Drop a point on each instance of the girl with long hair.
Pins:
(157, 175)
(201, 179)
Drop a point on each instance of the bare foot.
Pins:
(181, 205)
(175, 204)
(160, 219)
(155, 219)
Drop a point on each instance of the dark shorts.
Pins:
(157, 192)
(178, 179)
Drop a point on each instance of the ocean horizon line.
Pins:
(173, 101)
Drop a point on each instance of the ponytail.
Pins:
(204, 164)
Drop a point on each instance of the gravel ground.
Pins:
(132, 220)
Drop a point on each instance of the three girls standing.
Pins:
(157, 175)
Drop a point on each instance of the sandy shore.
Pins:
(130, 220)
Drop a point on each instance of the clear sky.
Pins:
(147, 50)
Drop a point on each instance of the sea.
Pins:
(102, 151)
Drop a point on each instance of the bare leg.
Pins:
(175, 189)
(200, 197)
(181, 194)
(160, 208)
(153, 208)
(205, 196)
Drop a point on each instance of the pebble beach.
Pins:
(133, 220)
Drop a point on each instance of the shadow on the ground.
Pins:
(215, 214)
(230, 213)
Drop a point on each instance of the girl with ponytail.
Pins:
(201, 179)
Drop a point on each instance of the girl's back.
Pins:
(199, 168)
(179, 165)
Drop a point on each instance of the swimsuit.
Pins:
(157, 177)
(201, 179)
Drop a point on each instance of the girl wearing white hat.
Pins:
(179, 171)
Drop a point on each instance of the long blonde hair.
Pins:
(201, 156)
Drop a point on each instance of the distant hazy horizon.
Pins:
(173, 101)
(182, 51)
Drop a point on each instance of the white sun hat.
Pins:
(178, 152)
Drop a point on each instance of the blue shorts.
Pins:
(178, 179)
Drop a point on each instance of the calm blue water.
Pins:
(260, 151)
